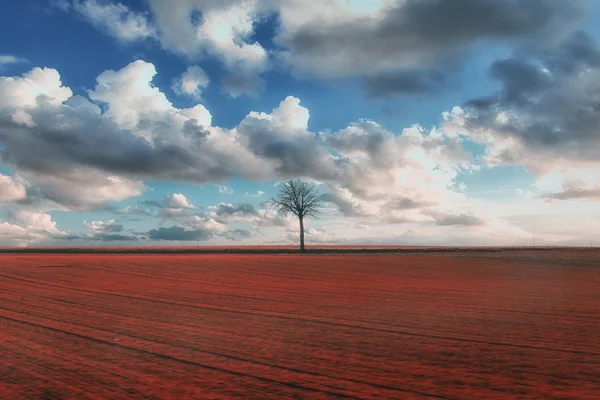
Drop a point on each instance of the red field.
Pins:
(515, 325)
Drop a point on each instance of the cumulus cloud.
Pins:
(110, 226)
(116, 19)
(390, 178)
(38, 84)
(545, 117)
(247, 213)
(109, 231)
(58, 139)
(282, 139)
(129, 94)
(221, 29)
(148, 138)
(177, 201)
(25, 227)
(367, 171)
(175, 207)
(11, 189)
(82, 189)
(192, 82)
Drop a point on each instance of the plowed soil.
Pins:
(518, 325)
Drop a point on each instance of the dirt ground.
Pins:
(496, 325)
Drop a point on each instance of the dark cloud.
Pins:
(580, 48)
(113, 228)
(447, 219)
(549, 105)
(363, 136)
(345, 206)
(574, 194)
(178, 233)
(99, 237)
(389, 83)
(72, 146)
(104, 237)
(519, 78)
(417, 35)
(237, 234)
(244, 212)
(239, 210)
(192, 128)
(239, 82)
(433, 25)
(293, 151)
(133, 210)
(406, 203)
(152, 203)
(77, 144)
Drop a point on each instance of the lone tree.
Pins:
(299, 198)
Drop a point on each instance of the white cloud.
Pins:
(177, 201)
(544, 118)
(129, 94)
(11, 189)
(101, 227)
(175, 207)
(226, 30)
(146, 136)
(393, 178)
(6, 59)
(314, 236)
(28, 227)
(116, 19)
(223, 189)
(81, 189)
(222, 29)
(209, 224)
(246, 213)
(192, 82)
(39, 84)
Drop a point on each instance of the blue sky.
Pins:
(423, 122)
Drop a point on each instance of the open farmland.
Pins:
(498, 325)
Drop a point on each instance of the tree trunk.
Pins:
(302, 234)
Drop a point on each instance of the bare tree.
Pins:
(299, 198)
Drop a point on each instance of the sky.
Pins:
(422, 122)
